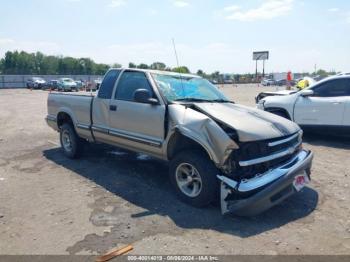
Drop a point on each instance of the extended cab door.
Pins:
(138, 126)
(100, 106)
(325, 107)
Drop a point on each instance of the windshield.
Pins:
(187, 88)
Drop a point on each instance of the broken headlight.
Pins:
(232, 133)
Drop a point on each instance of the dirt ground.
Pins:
(52, 205)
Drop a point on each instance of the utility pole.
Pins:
(263, 68)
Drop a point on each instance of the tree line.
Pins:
(21, 62)
(37, 63)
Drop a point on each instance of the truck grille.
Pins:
(250, 152)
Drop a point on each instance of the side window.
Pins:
(106, 88)
(332, 88)
(129, 82)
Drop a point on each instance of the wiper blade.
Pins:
(192, 99)
(220, 101)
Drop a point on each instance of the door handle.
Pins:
(113, 107)
(336, 102)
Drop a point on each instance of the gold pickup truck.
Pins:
(249, 158)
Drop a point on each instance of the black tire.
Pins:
(209, 183)
(76, 142)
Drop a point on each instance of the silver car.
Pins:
(67, 84)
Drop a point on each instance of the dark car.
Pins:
(283, 82)
(52, 84)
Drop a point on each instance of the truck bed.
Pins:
(77, 106)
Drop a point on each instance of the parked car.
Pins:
(67, 84)
(325, 105)
(97, 83)
(35, 82)
(52, 84)
(80, 84)
(254, 158)
(268, 82)
(281, 82)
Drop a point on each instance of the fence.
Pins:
(19, 81)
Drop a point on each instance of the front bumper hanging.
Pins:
(276, 185)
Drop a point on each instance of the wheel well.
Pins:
(63, 118)
(279, 111)
(179, 142)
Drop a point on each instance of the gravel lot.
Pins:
(53, 205)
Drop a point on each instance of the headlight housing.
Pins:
(232, 133)
(300, 137)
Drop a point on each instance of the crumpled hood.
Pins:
(251, 124)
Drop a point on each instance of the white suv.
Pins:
(326, 104)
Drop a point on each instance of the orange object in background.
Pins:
(289, 80)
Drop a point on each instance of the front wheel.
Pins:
(70, 142)
(193, 176)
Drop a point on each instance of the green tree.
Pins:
(200, 72)
(181, 69)
(158, 66)
(143, 66)
(1, 65)
(322, 72)
(116, 65)
(100, 69)
(132, 65)
(215, 75)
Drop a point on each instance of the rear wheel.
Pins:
(193, 176)
(70, 142)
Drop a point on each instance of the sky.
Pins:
(209, 34)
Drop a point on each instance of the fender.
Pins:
(201, 129)
(68, 112)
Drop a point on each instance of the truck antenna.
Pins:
(177, 58)
(178, 65)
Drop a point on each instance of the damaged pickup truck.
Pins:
(250, 159)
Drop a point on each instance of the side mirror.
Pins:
(306, 92)
(144, 96)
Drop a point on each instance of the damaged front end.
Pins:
(263, 174)
(259, 162)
